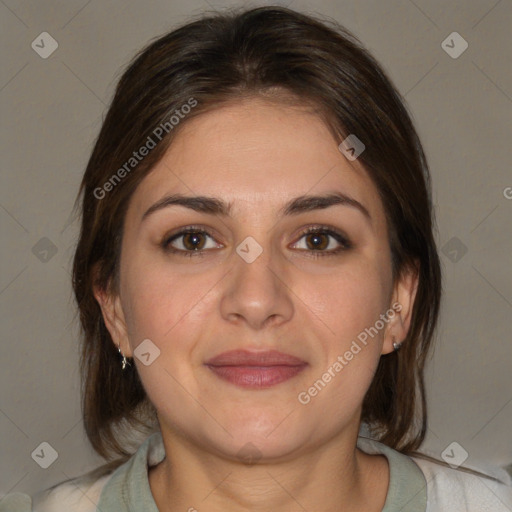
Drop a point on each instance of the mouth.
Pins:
(255, 370)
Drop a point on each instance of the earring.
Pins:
(396, 345)
(124, 361)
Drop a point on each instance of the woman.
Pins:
(258, 282)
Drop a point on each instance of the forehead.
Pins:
(258, 153)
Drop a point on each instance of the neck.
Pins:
(191, 479)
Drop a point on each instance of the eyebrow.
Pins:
(296, 206)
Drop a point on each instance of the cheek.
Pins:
(348, 301)
(167, 306)
(169, 309)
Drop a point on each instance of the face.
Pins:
(249, 276)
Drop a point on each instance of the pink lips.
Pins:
(255, 369)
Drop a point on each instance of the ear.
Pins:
(113, 317)
(404, 294)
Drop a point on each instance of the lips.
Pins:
(247, 358)
(255, 369)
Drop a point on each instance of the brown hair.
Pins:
(225, 57)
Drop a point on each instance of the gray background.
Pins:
(52, 110)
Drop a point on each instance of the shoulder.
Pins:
(106, 486)
(16, 502)
(446, 488)
(456, 489)
(78, 494)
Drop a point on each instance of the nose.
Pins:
(257, 292)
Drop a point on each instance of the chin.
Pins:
(259, 438)
(251, 449)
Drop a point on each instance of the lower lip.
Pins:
(256, 377)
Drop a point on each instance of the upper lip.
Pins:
(248, 358)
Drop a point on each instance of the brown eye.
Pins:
(317, 241)
(189, 242)
(193, 241)
(323, 241)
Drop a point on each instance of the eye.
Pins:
(324, 241)
(194, 240)
(191, 241)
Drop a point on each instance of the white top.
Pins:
(416, 485)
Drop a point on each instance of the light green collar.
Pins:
(128, 489)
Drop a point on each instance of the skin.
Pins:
(258, 155)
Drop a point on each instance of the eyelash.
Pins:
(344, 242)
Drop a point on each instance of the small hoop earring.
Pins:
(396, 345)
(124, 361)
